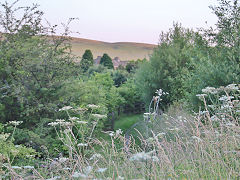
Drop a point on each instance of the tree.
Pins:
(106, 61)
(226, 35)
(33, 65)
(87, 60)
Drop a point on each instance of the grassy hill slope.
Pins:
(123, 50)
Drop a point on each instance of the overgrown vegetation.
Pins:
(58, 115)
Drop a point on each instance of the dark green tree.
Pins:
(87, 60)
(119, 77)
(106, 61)
(133, 65)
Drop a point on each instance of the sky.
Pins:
(126, 20)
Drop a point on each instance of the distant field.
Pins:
(123, 50)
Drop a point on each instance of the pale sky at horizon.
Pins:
(126, 20)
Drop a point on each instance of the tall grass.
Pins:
(174, 145)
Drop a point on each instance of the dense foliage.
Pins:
(53, 106)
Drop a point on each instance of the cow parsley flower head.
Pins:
(198, 139)
(81, 122)
(201, 95)
(101, 170)
(28, 167)
(88, 169)
(81, 109)
(118, 132)
(120, 178)
(92, 106)
(143, 156)
(160, 92)
(82, 145)
(16, 167)
(79, 175)
(230, 124)
(95, 157)
(232, 87)
(99, 116)
(55, 177)
(15, 123)
(53, 123)
(65, 108)
(62, 160)
(60, 120)
(210, 90)
(159, 135)
(73, 118)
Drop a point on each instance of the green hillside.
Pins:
(123, 50)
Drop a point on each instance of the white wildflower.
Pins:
(65, 124)
(201, 95)
(81, 122)
(120, 178)
(225, 98)
(92, 106)
(214, 118)
(66, 131)
(118, 132)
(4, 136)
(96, 156)
(99, 116)
(203, 112)
(111, 133)
(147, 114)
(217, 133)
(173, 129)
(65, 108)
(230, 124)
(159, 135)
(150, 152)
(210, 90)
(30, 156)
(198, 139)
(60, 120)
(155, 159)
(101, 170)
(67, 168)
(150, 140)
(73, 118)
(232, 87)
(28, 167)
(53, 123)
(62, 160)
(160, 92)
(15, 123)
(211, 106)
(82, 145)
(142, 156)
(81, 109)
(78, 175)
(88, 170)
(16, 167)
(54, 178)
